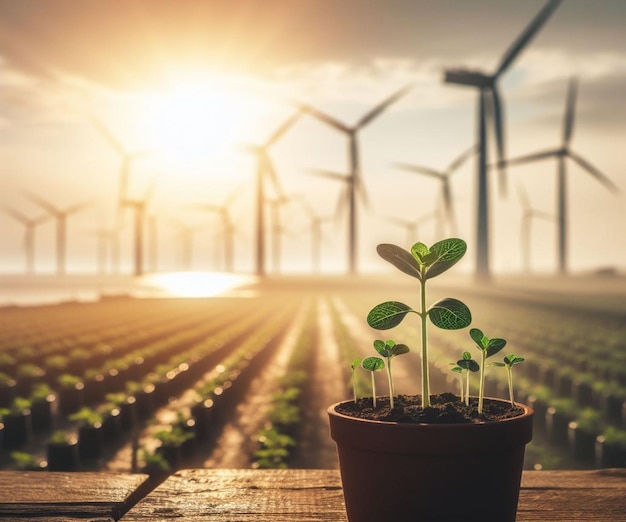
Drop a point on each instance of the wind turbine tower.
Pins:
(490, 112)
(29, 235)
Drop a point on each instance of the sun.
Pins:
(195, 118)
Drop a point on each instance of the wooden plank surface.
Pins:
(51, 496)
(315, 495)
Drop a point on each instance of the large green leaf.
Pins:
(443, 255)
(494, 346)
(373, 364)
(479, 338)
(387, 315)
(399, 258)
(399, 349)
(469, 364)
(450, 314)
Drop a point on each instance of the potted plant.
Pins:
(43, 406)
(90, 433)
(18, 425)
(62, 452)
(430, 457)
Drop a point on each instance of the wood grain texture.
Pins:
(315, 495)
(52, 496)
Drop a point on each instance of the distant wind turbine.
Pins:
(355, 183)
(187, 233)
(446, 194)
(561, 154)
(126, 159)
(61, 216)
(139, 207)
(30, 224)
(264, 169)
(529, 213)
(277, 228)
(228, 227)
(105, 240)
(490, 112)
(411, 227)
(315, 231)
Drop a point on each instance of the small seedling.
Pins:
(355, 364)
(373, 364)
(487, 347)
(466, 365)
(389, 349)
(510, 361)
(423, 263)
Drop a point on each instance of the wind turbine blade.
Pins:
(383, 105)
(461, 159)
(278, 133)
(108, 136)
(46, 205)
(522, 40)
(325, 118)
(360, 188)
(594, 172)
(328, 174)
(418, 169)
(269, 167)
(78, 207)
(498, 118)
(341, 204)
(570, 107)
(17, 215)
(532, 157)
(543, 215)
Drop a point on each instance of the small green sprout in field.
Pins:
(510, 361)
(373, 364)
(389, 349)
(466, 365)
(488, 347)
(355, 364)
(423, 263)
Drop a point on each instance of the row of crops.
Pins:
(574, 375)
(149, 385)
(79, 384)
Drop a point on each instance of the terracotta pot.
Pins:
(430, 472)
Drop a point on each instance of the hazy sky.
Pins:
(225, 70)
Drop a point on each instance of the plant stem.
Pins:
(510, 379)
(467, 394)
(462, 387)
(481, 387)
(373, 390)
(391, 390)
(423, 314)
(353, 386)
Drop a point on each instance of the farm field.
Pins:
(244, 379)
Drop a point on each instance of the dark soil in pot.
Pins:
(446, 408)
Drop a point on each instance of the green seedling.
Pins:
(510, 361)
(389, 349)
(373, 364)
(466, 365)
(423, 263)
(355, 364)
(487, 347)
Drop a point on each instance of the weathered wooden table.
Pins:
(276, 495)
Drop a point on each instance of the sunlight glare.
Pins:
(195, 118)
(195, 284)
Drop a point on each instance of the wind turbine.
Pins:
(353, 179)
(561, 154)
(411, 227)
(228, 228)
(316, 231)
(527, 216)
(30, 224)
(61, 216)
(444, 177)
(106, 239)
(186, 235)
(139, 207)
(490, 111)
(277, 227)
(126, 159)
(265, 168)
